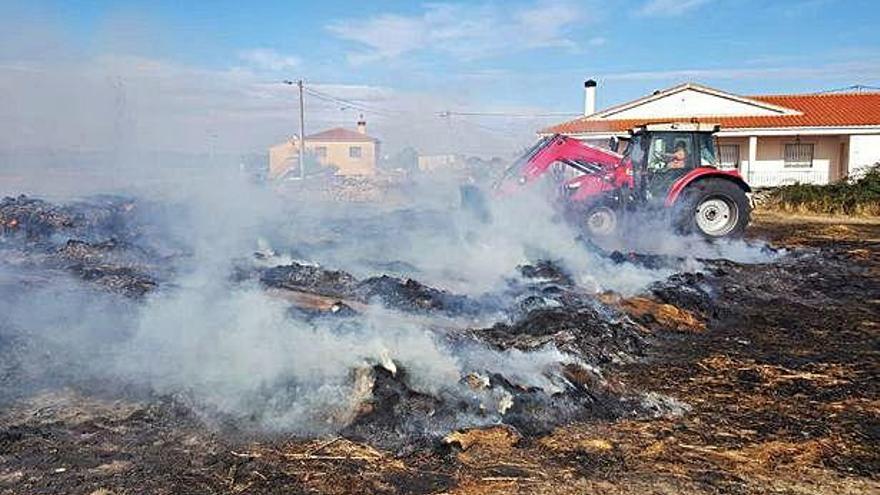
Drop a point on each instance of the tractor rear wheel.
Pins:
(715, 208)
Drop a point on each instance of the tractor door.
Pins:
(670, 155)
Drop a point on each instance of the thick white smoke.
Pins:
(228, 346)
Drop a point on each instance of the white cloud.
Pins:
(669, 8)
(266, 59)
(467, 32)
(852, 70)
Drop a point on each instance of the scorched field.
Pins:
(151, 347)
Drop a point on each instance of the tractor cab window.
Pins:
(635, 149)
(670, 156)
(707, 150)
(671, 151)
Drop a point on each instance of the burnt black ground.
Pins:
(782, 387)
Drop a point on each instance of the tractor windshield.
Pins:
(707, 150)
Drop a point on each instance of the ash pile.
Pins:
(411, 363)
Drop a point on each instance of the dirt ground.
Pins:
(781, 379)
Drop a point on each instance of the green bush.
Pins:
(861, 197)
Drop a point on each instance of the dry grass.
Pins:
(654, 313)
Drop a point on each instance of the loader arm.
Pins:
(537, 161)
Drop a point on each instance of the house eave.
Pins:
(588, 135)
(616, 109)
(746, 131)
(794, 131)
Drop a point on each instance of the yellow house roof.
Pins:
(340, 134)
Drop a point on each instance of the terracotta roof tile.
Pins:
(816, 110)
(339, 134)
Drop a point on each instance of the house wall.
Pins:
(285, 156)
(864, 151)
(690, 103)
(338, 155)
(282, 157)
(431, 163)
(769, 168)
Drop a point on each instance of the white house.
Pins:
(772, 139)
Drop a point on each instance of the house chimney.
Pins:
(589, 97)
(362, 125)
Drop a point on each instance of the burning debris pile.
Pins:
(99, 241)
(530, 355)
(393, 292)
(538, 368)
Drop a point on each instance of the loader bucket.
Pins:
(473, 200)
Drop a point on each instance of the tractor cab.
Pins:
(661, 154)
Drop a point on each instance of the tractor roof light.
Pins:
(677, 126)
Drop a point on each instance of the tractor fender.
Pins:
(700, 174)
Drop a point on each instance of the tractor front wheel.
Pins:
(601, 220)
(715, 208)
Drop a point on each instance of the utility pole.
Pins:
(302, 127)
(302, 131)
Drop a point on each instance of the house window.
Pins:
(354, 151)
(728, 156)
(321, 151)
(798, 155)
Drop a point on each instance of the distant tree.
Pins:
(406, 159)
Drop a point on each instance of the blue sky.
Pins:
(514, 56)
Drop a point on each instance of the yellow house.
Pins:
(351, 152)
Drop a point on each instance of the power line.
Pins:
(508, 114)
(367, 108)
(858, 88)
(348, 103)
(355, 105)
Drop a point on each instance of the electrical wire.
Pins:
(854, 87)
(348, 103)
(508, 114)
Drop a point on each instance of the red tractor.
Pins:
(665, 167)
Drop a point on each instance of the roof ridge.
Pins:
(340, 132)
(818, 93)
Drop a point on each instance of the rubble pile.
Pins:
(345, 188)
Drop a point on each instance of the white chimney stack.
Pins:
(362, 125)
(589, 97)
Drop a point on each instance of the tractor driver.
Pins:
(678, 158)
